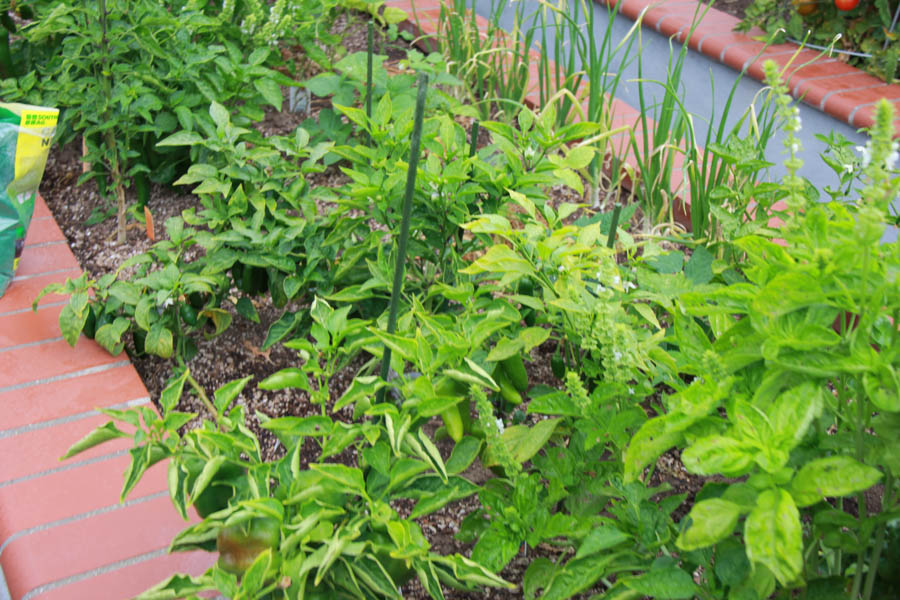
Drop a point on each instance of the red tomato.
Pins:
(846, 4)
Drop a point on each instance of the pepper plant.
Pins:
(289, 527)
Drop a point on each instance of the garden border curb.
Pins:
(63, 535)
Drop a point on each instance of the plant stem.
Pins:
(397, 286)
(879, 539)
(201, 393)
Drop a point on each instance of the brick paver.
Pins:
(63, 533)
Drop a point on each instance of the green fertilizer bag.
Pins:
(25, 136)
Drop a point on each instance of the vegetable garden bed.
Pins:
(584, 399)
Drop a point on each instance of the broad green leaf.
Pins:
(220, 318)
(503, 260)
(524, 441)
(667, 583)
(774, 535)
(101, 434)
(159, 341)
(219, 114)
(110, 335)
(372, 574)
(833, 476)
(709, 521)
(537, 576)
(699, 268)
(181, 138)
(290, 377)
(246, 309)
(653, 438)
(73, 317)
(228, 392)
(523, 201)
(464, 453)
(280, 329)
(732, 566)
(577, 575)
(142, 312)
(601, 539)
(718, 454)
(403, 470)
(287, 427)
(361, 387)
(532, 337)
(505, 348)
(647, 312)
(270, 90)
(393, 15)
(171, 394)
(794, 411)
(456, 488)
(206, 476)
(254, 577)
(494, 550)
(579, 157)
(349, 478)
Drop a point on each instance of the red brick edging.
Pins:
(828, 84)
(63, 534)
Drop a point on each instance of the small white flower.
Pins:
(167, 303)
(561, 269)
(630, 286)
(435, 195)
(600, 288)
(891, 160)
(848, 169)
(500, 425)
(617, 280)
(795, 148)
(617, 355)
(866, 156)
(631, 391)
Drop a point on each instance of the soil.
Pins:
(735, 8)
(236, 352)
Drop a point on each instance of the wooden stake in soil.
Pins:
(148, 222)
(397, 287)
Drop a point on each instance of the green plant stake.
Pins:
(473, 143)
(397, 286)
(370, 52)
(611, 240)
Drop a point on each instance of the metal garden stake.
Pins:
(397, 287)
